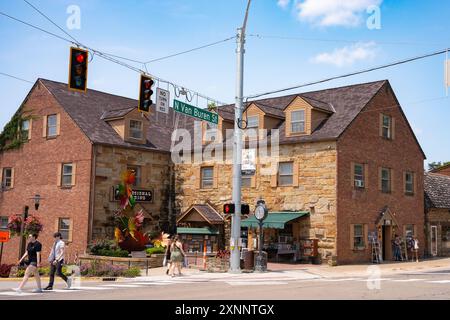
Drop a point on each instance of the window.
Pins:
(253, 122)
(386, 127)
(7, 178)
(207, 177)
(246, 181)
(66, 174)
(64, 228)
(358, 236)
(136, 131)
(52, 125)
(298, 121)
(385, 180)
(25, 129)
(286, 173)
(4, 223)
(409, 231)
(359, 179)
(409, 183)
(137, 173)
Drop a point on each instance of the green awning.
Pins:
(275, 220)
(197, 231)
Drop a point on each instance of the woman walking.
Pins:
(33, 253)
(167, 256)
(176, 256)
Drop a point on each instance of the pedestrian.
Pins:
(167, 262)
(416, 248)
(177, 255)
(33, 252)
(397, 249)
(56, 259)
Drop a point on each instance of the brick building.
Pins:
(349, 165)
(76, 148)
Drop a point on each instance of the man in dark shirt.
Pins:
(33, 253)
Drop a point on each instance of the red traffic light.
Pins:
(228, 208)
(80, 58)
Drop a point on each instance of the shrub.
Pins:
(132, 272)
(5, 269)
(155, 250)
(101, 269)
(103, 244)
(113, 253)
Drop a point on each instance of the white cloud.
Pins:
(334, 12)
(347, 56)
(283, 3)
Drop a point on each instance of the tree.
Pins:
(436, 165)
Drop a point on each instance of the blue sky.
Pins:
(148, 29)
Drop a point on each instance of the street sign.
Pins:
(195, 112)
(4, 236)
(248, 162)
(162, 100)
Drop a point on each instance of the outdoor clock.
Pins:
(260, 211)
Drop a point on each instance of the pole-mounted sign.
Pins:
(195, 112)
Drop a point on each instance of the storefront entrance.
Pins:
(386, 232)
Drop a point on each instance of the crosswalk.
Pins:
(269, 279)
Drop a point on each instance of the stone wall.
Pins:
(441, 219)
(316, 190)
(110, 163)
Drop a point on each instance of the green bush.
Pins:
(107, 248)
(133, 272)
(113, 253)
(155, 250)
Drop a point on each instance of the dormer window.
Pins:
(136, 130)
(253, 122)
(298, 121)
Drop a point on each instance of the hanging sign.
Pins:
(248, 162)
(4, 236)
(195, 112)
(162, 100)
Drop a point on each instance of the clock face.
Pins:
(259, 212)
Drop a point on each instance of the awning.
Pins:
(275, 220)
(197, 231)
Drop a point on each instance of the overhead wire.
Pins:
(14, 77)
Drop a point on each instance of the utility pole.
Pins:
(237, 149)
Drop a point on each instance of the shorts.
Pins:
(32, 263)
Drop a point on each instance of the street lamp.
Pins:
(261, 213)
(37, 198)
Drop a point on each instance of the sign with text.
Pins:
(162, 100)
(139, 195)
(195, 112)
(248, 162)
(4, 236)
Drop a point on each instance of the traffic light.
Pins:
(145, 94)
(78, 69)
(229, 208)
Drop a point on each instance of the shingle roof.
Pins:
(208, 212)
(437, 190)
(116, 113)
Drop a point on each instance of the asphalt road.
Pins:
(285, 285)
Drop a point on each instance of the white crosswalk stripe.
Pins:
(439, 281)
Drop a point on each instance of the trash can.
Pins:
(260, 261)
(249, 260)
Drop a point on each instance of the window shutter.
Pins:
(295, 174)
(379, 179)
(366, 235)
(392, 176)
(274, 178)
(44, 126)
(381, 125)
(74, 173)
(352, 174)
(393, 129)
(352, 234)
(30, 129)
(366, 176)
(58, 182)
(58, 124)
(216, 176)
(197, 175)
(12, 177)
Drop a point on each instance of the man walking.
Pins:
(56, 259)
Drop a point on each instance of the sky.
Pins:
(289, 42)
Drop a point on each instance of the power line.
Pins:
(260, 36)
(351, 74)
(111, 58)
(14, 77)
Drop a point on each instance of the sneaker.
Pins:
(69, 283)
(48, 288)
(37, 291)
(17, 290)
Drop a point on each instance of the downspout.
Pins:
(92, 192)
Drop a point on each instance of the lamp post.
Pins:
(261, 213)
(37, 198)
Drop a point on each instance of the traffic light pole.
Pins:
(235, 260)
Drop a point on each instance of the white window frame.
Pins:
(387, 127)
(300, 121)
(53, 126)
(62, 231)
(27, 130)
(209, 182)
(6, 178)
(253, 122)
(359, 177)
(65, 175)
(284, 175)
(136, 133)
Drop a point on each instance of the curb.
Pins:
(82, 279)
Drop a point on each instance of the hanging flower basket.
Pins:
(32, 225)
(15, 224)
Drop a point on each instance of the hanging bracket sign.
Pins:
(195, 112)
(162, 100)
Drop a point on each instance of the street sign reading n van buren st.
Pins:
(195, 112)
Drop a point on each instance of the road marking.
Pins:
(121, 286)
(16, 294)
(375, 279)
(89, 288)
(247, 283)
(439, 281)
(408, 280)
(340, 280)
